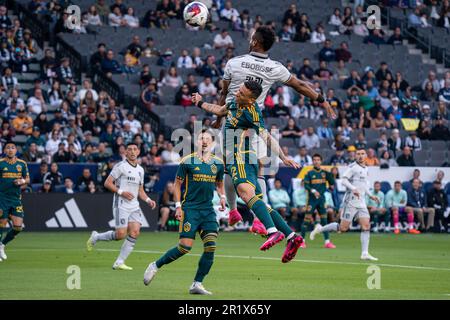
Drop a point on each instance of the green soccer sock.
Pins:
(305, 227)
(206, 261)
(323, 222)
(375, 216)
(260, 209)
(12, 233)
(387, 218)
(280, 223)
(172, 255)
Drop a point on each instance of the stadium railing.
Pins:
(41, 31)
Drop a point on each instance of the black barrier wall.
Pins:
(80, 211)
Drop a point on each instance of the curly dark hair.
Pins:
(265, 36)
(254, 87)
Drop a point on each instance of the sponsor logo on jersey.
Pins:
(19, 168)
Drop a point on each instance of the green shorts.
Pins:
(11, 207)
(314, 203)
(244, 173)
(193, 221)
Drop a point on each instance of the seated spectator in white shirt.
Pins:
(116, 19)
(52, 145)
(310, 140)
(131, 20)
(184, 61)
(303, 158)
(223, 40)
(135, 125)
(169, 156)
(207, 89)
(318, 35)
(93, 18)
(413, 141)
(229, 13)
(36, 103)
(87, 86)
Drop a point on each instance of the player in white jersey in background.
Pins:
(257, 66)
(355, 179)
(126, 181)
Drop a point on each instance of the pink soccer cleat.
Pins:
(258, 227)
(291, 249)
(273, 239)
(303, 245)
(234, 217)
(329, 245)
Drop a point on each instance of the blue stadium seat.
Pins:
(385, 186)
(406, 185)
(427, 186)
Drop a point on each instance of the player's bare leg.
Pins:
(17, 223)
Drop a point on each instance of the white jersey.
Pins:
(127, 178)
(356, 177)
(254, 66)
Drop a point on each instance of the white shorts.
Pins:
(124, 216)
(349, 213)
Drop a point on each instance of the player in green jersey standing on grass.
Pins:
(201, 172)
(13, 175)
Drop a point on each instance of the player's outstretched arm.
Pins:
(275, 146)
(306, 89)
(208, 107)
(143, 196)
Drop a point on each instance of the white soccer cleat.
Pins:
(317, 229)
(197, 288)
(2, 252)
(367, 256)
(91, 242)
(150, 273)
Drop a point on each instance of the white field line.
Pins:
(297, 260)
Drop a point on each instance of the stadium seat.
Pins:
(385, 186)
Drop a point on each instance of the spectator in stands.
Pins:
(116, 19)
(342, 53)
(52, 144)
(353, 80)
(360, 28)
(46, 187)
(348, 22)
(65, 74)
(280, 109)
(36, 103)
(418, 204)
(110, 65)
(135, 125)
(341, 71)
(244, 22)
(361, 142)
(32, 154)
(378, 123)
(437, 199)
(183, 96)
(23, 123)
(434, 81)
(169, 156)
(383, 71)
(8, 80)
(54, 176)
(61, 155)
(375, 37)
(440, 131)
(228, 13)
(84, 180)
(372, 159)
(396, 201)
(302, 34)
(68, 186)
(292, 13)
(327, 53)
(286, 34)
(149, 96)
(223, 40)
(324, 131)
(167, 206)
(440, 177)
(306, 72)
(209, 68)
(444, 93)
(207, 89)
(303, 158)
(291, 130)
(323, 73)
(396, 38)
(98, 56)
(413, 142)
(336, 18)
(93, 16)
(318, 35)
(310, 140)
(442, 112)
(377, 209)
(172, 79)
(406, 158)
(130, 19)
(338, 158)
(184, 61)
(279, 198)
(428, 94)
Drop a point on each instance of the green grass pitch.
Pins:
(412, 267)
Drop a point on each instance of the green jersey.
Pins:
(200, 178)
(241, 125)
(317, 180)
(10, 171)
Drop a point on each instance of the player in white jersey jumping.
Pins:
(355, 179)
(257, 66)
(126, 181)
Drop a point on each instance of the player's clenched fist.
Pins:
(196, 98)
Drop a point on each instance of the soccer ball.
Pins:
(195, 14)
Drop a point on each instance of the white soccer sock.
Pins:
(291, 235)
(272, 230)
(230, 192)
(331, 227)
(365, 237)
(127, 247)
(263, 186)
(106, 236)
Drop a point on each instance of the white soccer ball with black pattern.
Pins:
(196, 14)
